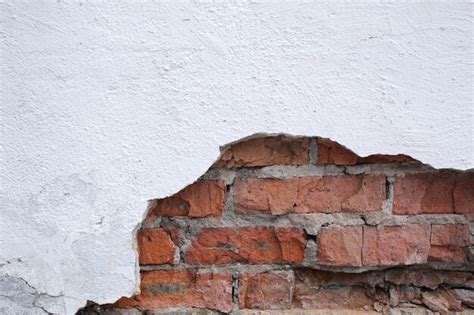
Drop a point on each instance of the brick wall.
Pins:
(288, 223)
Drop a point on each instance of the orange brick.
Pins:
(155, 246)
(255, 245)
(201, 199)
(277, 150)
(328, 194)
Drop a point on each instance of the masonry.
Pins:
(300, 225)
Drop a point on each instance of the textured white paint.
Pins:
(107, 105)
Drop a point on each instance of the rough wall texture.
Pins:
(106, 104)
(304, 224)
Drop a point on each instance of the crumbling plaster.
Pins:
(106, 105)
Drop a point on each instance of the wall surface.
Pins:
(304, 224)
(105, 106)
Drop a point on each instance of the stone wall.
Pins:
(304, 225)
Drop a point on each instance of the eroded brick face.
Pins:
(182, 288)
(340, 246)
(434, 193)
(298, 225)
(156, 246)
(326, 194)
(268, 290)
(278, 150)
(201, 199)
(254, 245)
(396, 245)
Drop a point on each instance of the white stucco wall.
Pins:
(105, 106)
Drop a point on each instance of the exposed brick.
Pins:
(340, 246)
(329, 194)
(396, 245)
(330, 278)
(275, 196)
(268, 290)
(155, 246)
(253, 245)
(331, 152)
(424, 193)
(464, 193)
(277, 150)
(182, 288)
(428, 278)
(403, 294)
(450, 234)
(201, 199)
(387, 158)
(441, 301)
(312, 296)
(448, 254)
(293, 244)
(465, 296)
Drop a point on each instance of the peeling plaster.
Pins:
(107, 105)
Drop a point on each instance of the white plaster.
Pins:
(106, 105)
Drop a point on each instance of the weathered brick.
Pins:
(424, 193)
(464, 193)
(450, 234)
(448, 254)
(429, 278)
(396, 245)
(276, 150)
(156, 246)
(201, 199)
(340, 246)
(182, 288)
(268, 290)
(255, 245)
(331, 152)
(312, 296)
(441, 301)
(329, 194)
(330, 278)
(387, 158)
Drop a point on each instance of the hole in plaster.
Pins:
(209, 203)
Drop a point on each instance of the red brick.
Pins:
(155, 246)
(201, 199)
(328, 194)
(255, 245)
(403, 294)
(276, 150)
(450, 234)
(330, 278)
(428, 278)
(293, 244)
(331, 152)
(340, 246)
(387, 158)
(312, 296)
(464, 193)
(182, 288)
(269, 290)
(275, 196)
(396, 245)
(424, 193)
(441, 301)
(448, 254)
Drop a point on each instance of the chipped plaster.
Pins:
(106, 105)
